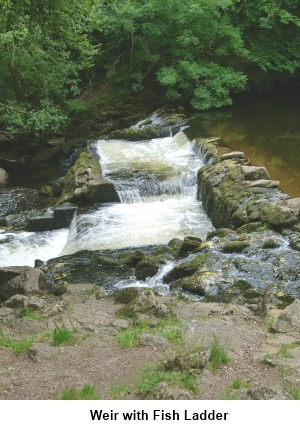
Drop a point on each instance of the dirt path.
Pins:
(97, 358)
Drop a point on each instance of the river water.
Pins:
(268, 132)
(156, 182)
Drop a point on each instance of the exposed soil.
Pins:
(96, 357)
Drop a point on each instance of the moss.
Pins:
(270, 244)
(185, 269)
(126, 296)
(235, 247)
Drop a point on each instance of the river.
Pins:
(156, 182)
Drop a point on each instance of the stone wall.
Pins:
(234, 193)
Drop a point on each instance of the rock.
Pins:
(20, 280)
(270, 244)
(35, 303)
(148, 339)
(6, 313)
(253, 173)
(165, 391)
(135, 134)
(127, 295)
(132, 258)
(220, 232)
(17, 301)
(84, 183)
(235, 247)
(189, 244)
(266, 393)
(289, 319)
(185, 269)
(41, 352)
(3, 176)
(265, 183)
(187, 361)
(233, 154)
(279, 216)
(175, 244)
(147, 267)
(121, 323)
(61, 217)
(145, 303)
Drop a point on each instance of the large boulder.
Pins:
(289, 319)
(20, 280)
(84, 183)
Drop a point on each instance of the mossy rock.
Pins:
(126, 296)
(270, 244)
(148, 267)
(278, 216)
(175, 243)
(146, 302)
(107, 262)
(136, 134)
(250, 228)
(131, 259)
(220, 232)
(284, 300)
(190, 244)
(185, 269)
(190, 361)
(235, 247)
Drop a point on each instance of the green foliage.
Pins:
(286, 347)
(270, 323)
(189, 48)
(237, 383)
(218, 355)
(31, 314)
(169, 329)
(88, 392)
(292, 389)
(16, 346)
(43, 48)
(152, 378)
(63, 335)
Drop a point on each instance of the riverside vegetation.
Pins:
(63, 336)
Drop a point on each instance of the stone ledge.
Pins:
(234, 193)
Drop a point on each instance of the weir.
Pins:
(156, 181)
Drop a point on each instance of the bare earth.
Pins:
(96, 358)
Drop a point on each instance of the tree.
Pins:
(43, 47)
(189, 47)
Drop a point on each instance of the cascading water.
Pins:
(156, 182)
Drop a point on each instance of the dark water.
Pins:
(267, 132)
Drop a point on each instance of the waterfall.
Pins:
(156, 182)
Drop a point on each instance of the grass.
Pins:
(218, 355)
(238, 383)
(88, 392)
(63, 335)
(31, 314)
(16, 346)
(270, 323)
(169, 329)
(286, 347)
(152, 376)
(293, 390)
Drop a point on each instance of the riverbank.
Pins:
(176, 338)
